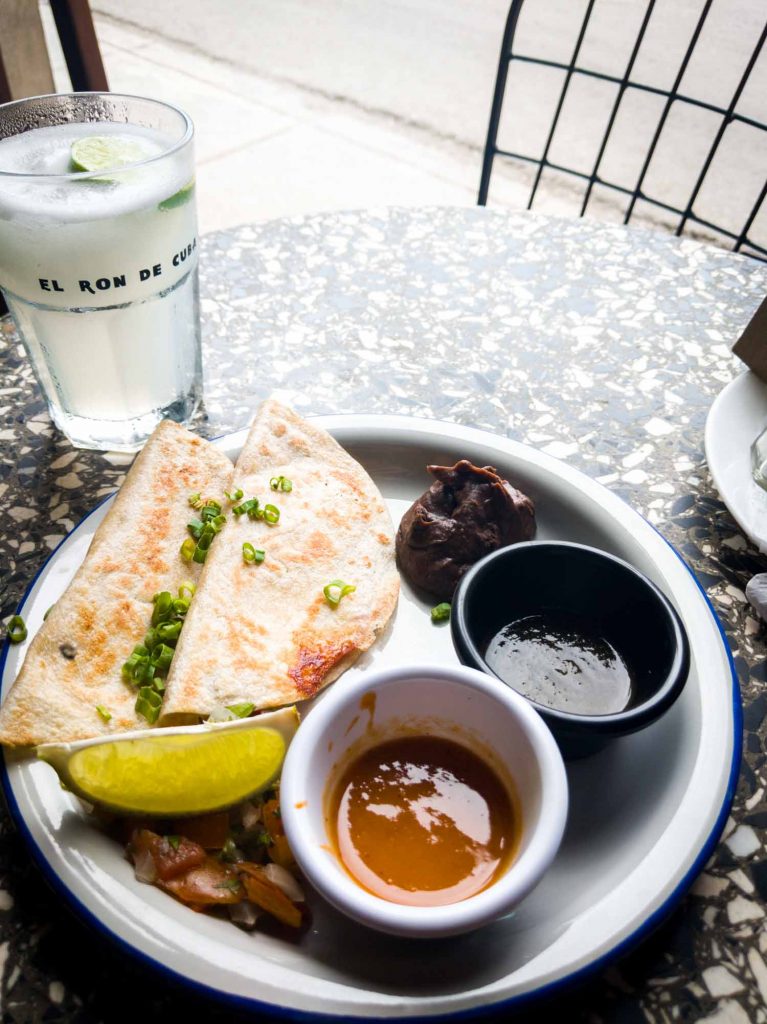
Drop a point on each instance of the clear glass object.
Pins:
(759, 459)
(99, 268)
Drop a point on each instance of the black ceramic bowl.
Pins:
(620, 603)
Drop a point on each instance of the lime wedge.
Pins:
(176, 771)
(178, 198)
(106, 153)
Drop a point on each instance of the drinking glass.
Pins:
(99, 265)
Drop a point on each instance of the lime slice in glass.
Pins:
(106, 153)
(176, 771)
(178, 198)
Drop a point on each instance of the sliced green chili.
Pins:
(241, 710)
(16, 630)
(441, 613)
(249, 507)
(271, 514)
(281, 483)
(148, 704)
(337, 589)
(163, 604)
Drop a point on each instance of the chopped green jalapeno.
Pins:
(137, 663)
(203, 544)
(249, 508)
(150, 639)
(441, 613)
(148, 704)
(195, 527)
(150, 661)
(168, 631)
(187, 549)
(241, 710)
(162, 656)
(252, 555)
(146, 672)
(210, 522)
(210, 510)
(335, 590)
(16, 631)
(271, 514)
(281, 483)
(163, 603)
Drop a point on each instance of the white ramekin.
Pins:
(453, 701)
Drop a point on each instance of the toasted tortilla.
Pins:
(74, 662)
(265, 634)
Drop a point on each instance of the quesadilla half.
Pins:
(265, 633)
(73, 665)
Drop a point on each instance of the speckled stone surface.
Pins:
(600, 345)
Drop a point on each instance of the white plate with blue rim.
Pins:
(645, 814)
(736, 418)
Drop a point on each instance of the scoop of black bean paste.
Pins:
(466, 513)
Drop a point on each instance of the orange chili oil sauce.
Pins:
(422, 820)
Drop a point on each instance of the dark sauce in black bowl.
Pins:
(559, 661)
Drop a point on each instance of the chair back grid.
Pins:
(624, 82)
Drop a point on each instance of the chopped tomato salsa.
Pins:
(172, 855)
(234, 859)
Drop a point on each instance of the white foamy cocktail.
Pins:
(99, 267)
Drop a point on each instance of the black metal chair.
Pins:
(623, 83)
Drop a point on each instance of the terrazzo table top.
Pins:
(601, 345)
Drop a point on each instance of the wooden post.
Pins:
(74, 23)
(25, 69)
